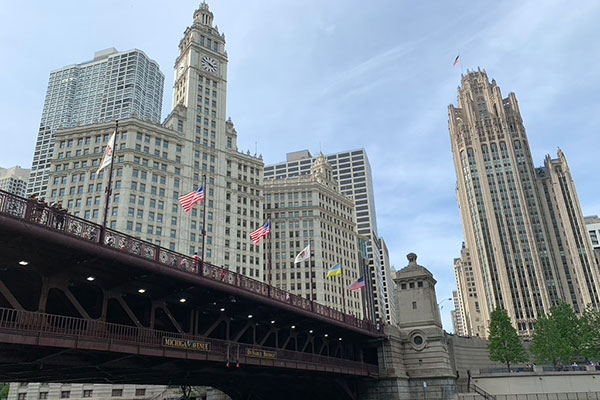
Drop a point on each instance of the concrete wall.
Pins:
(469, 354)
(544, 382)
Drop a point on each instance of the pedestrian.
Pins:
(196, 261)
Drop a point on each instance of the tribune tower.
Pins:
(523, 225)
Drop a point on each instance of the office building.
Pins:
(114, 85)
(592, 224)
(14, 180)
(89, 391)
(156, 164)
(311, 210)
(468, 311)
(353, 172)
(523, 225)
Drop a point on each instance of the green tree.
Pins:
(557, 336)
(3, 391)
(505, 346)
(590, 334)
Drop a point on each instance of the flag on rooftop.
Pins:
(303, 255)
(335, 271)
(457, 60)
(108, 153)
(359, 284)
(262, 232)
(191, 199)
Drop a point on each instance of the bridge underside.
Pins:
(23, 363)
(87, 285)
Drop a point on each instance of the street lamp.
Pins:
(443, 301)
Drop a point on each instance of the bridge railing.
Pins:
(50, 324)
(39, 213)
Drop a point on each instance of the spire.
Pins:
(203, 16)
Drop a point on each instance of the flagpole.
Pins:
(310, 271)
(203, 221)
(270, 271)
(109, 187)
(343, 287)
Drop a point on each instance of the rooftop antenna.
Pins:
(255, 148)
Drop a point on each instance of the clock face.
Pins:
(209, 64)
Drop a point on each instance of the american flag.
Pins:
(359, 284)
(457, 60)
(191, 199)
(262, 232)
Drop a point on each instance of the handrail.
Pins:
(43, 323)
(481, 392)
(32, 211)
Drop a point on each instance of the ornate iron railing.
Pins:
(39, 213)
(53, 325)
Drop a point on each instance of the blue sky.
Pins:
(341, 75)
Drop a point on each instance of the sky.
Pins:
(339, 75)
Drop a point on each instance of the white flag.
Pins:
(303, 255)
(108, 154)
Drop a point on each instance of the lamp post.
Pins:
(443, 301)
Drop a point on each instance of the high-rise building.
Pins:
(311, 210)
(14, 180)
(353, 172)
(523, 226)
(468, 311)
(458, 320)
(114, 85)
(156, 164)
(592, 224)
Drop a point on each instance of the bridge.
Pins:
(81, 303)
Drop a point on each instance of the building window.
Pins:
(116, 393)
(414, 305)
(87, 393)
(43, 395)
(22, 396)
(65, 394)
(140, 392)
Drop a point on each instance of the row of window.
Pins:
(66, 394)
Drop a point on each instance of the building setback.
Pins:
(14, 180)
(353, 172)
(114, 85)
(523, 226)
(156, 164)
(311, 210)
(592, 224)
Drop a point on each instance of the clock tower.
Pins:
(233, 191)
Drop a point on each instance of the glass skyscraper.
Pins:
(114, 85)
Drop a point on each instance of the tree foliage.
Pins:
(557, 336)
(4, 391)
(505, 345)
(590, 334)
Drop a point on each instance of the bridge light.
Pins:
(273, 321)
(141, 291)
(326, 335)
(182, 300)
(311, 331)
(90, 278)
(23, 262)
(340, 339)
(293, 327)
(222, 310)
(249, 315)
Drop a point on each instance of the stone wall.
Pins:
(540, 382)
(469, 354)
